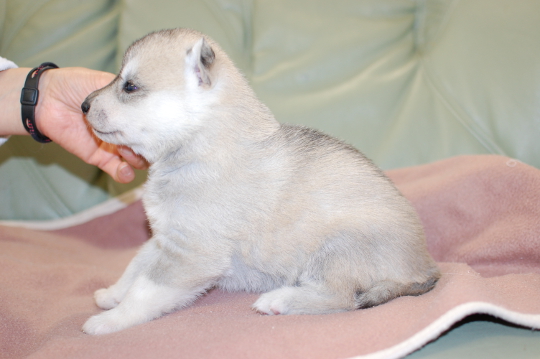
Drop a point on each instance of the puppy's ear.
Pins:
(200, 59)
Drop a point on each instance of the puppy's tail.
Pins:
(386, 290)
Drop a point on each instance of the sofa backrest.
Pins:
(407, 82)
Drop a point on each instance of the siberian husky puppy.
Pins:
(241, 202)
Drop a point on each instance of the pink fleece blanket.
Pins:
(482, 219)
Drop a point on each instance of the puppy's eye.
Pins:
(130, 87)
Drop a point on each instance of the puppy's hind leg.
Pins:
(313, 298)
(305, 299)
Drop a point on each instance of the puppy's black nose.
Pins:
(85, 107)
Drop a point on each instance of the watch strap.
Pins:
(29, 100)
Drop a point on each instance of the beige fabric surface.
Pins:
(482, 221)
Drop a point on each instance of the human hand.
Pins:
(59, 117)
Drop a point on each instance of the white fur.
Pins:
(137, 299)
(145, 301)
(129, 69)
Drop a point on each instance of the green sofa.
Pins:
(407, 82)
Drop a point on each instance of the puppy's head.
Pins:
(164, 91)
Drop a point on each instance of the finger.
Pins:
(133, 159)
(119, 170)
(124, 173)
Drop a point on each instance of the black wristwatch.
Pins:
(29, 99)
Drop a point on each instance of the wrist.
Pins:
(30, 99)
(39, 116)
(12, 81)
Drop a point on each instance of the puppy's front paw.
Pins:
(105, 299)
(108, 322)
(103, 323)
(273, 303)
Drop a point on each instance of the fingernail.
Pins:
(125, 171)
(123, 151)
